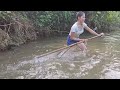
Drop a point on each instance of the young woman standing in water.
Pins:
(77, 29)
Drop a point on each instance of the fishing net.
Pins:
(65, 54)
(68, 53)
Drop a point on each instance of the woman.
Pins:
(77, 29)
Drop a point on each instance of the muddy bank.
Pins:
(24, 35)
(17, 35)
(16, 30)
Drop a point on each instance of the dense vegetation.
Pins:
(19, 27)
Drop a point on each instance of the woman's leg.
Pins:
(82, 46)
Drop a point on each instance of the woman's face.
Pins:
(82, 18)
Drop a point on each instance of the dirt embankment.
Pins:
(15, 34)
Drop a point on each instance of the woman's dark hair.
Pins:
(79, 14)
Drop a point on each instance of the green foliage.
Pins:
(56, 20)
(5, 16)
(105, 20)
(62, 20)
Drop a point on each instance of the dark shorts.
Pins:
(69, 41)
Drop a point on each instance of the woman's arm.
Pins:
(72, 37)
(91, 31)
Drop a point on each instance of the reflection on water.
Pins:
(102, 60)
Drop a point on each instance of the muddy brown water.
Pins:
(102, 60)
